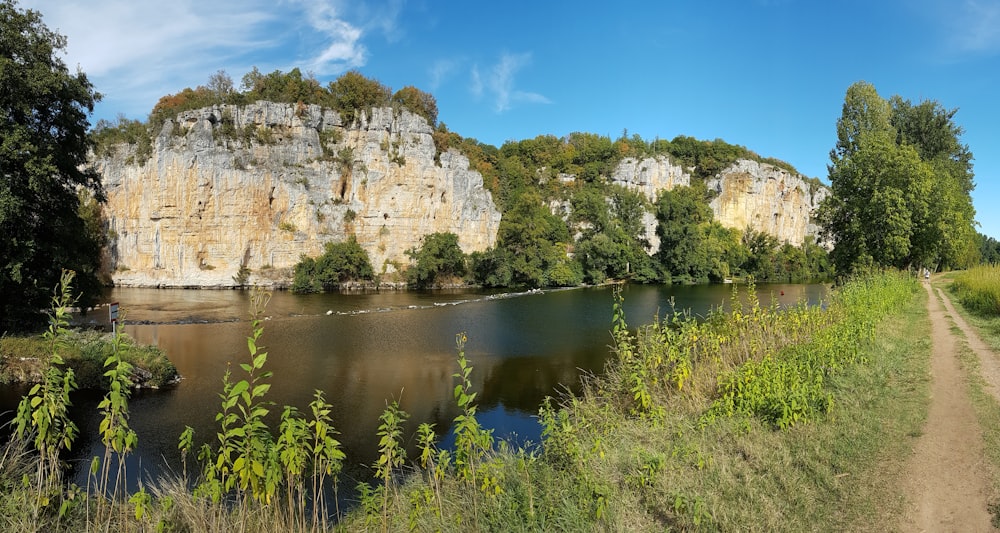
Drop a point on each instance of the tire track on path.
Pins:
(945, 483)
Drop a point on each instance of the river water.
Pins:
(366, 349)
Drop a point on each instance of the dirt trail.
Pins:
(945, 483)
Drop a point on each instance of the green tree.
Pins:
(989, 249)
(760, 248)
(417, 101)
(683, 215)
(532, 239)
(341, 262)
(901, 181)
(949, 235)
(44, 113)
(439, 257)
(353, 92)
(278, 86)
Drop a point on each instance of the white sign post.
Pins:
(113, 311)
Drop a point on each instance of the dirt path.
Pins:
(945, 484)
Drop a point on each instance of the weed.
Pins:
(43, 414)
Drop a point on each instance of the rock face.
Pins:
(749, 194)
(257, 186)
(768, 199)
(650, 175)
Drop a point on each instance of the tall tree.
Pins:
(901, 183)
(929, 128)
(44, 113)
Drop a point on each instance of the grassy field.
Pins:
(978, 289)
(760, 419)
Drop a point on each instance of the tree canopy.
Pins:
(901, 182)
(44, 112)
(341, 262)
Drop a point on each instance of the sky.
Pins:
(770, 75)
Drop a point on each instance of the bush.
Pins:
(341, 262)
(439, 256)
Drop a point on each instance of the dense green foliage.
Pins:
(438, 258)
(601, 225)
(901, 183)
(989, 249)
(341, 262)
(43, 148)
(978, 289)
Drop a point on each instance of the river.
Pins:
(366, 349)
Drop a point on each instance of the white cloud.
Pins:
(500, 82)
(135, 51)
(341, 40)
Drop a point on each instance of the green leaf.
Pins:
(239, 388)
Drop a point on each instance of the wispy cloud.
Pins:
(500, 83)
(977, 26)
(440, 71)
(136, 51)
(341, 47)
(962, 27)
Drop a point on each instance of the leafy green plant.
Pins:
(117, 436)
(392, 455)
(327, 456)
(43, 414)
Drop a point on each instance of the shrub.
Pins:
(341, 262)
(439, 256)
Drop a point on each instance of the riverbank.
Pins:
(23, 359)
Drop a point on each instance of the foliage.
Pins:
(341, 262)
(43, 151)
(109, 137)
(891, 159)
(692, 246)
(532, 241)
(117, 436)
(43, 414)
(290, 87)
(439, 257)
(978, 289)
(418, 102)
(353, 92)
(989, 249)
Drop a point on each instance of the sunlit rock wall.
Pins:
(262, 184)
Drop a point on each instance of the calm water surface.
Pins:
(366, 349)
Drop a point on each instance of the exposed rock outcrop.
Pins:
(749, 194)
(259, 185)
(768, 199)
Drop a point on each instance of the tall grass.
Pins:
(978, 289)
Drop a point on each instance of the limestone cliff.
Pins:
(768, 199)
(748, 194)
(262, 184)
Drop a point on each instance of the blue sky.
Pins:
(767, 74)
